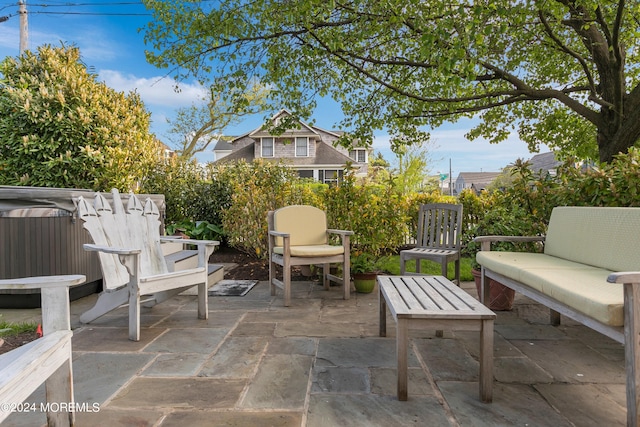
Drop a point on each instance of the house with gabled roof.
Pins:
(310, 150)
(477, 181)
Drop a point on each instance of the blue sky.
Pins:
(107, 34)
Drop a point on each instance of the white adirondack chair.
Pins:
(44, 360)
(132, 261)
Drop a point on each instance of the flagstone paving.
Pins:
(321, 363)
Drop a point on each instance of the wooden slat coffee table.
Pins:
(437, 303)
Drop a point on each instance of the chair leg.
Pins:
(443, 268)
(286, 281)
(418, 266)
(402, 265)
(59, 389)
(203, 301)
(346, 282)
(326, 268)
(134, 315)
(272, 276)
(457, 278)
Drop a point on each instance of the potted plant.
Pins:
(364, 272)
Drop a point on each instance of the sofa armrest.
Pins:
(485, 241)
(624, 277)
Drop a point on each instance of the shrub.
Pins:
(61, 127)
(179, 180)
(256, 188)
(376, 214)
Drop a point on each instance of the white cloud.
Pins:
(154, 91)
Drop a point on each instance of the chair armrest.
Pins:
(485, 241)
(341, 232)
(55, 297)
(624, 277)
(42, 282)
(190, 241)
(109, 250)
(205, 247)
(278, 234)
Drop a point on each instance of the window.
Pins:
(302, 146)
(305, 173)
(358, 155)
(329, 177)
(267, 147)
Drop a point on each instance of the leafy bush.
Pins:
(201, 230)
(377, 215)
(179, 180)
(256, 188)
(613, 184)
(61, 127)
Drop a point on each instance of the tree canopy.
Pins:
(60, 127)
(560, 72)
(197, 126)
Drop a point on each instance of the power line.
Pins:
(89, 13)
(87, 4)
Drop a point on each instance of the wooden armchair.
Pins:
(298, 235)
(132, 261)
(438, 239)
(44, 360)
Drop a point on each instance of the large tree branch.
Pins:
(571, 52)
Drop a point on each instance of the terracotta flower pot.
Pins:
(364, 282)
(500, 297)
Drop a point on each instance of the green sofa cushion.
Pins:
(598, 236)
(583, 288)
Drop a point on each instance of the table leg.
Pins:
(402, 347)
(486, 361)
(382, 313)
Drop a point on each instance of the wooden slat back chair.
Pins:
(438, 239)
(298, 235)
(133, 265)
(45, 360)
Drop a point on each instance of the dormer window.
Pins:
(267, 147)
(359, 155)
(302, 146)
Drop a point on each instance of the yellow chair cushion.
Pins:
(312, 250)
(307, 225)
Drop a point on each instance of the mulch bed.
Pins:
(248, 267)
(15, 341)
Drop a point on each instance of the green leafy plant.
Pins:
(363, 263)
(9, 329)
(201, 230)
(61, 127)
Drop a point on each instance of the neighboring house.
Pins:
(544, 163)
(308, 149)
(167, 152)
(477, 181)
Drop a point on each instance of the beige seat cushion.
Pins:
(312, 250)
(581, 287)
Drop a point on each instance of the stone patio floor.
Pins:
(321, 363)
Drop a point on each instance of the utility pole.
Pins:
(24, 26)
(450, 180)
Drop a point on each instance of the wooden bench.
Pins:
(435, 302)
(587, 272)
(44, 360)
(132, 259)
